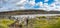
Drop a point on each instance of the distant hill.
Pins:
(54, 12)
(21, 12)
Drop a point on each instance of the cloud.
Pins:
(55, 6)
(20, 2)
(32, 3)
(40, 4)
(22, 7)
(25, 4)
(56, 0)
(45, 4)
(3, 9)
(46, 0)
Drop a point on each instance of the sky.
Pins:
(48, 5)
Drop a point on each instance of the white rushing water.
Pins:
(34, 15)
(23, 17)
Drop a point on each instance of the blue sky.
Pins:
(9, 5)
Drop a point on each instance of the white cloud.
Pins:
(52, 7)
(32, 3)
(22, 7)
(3, 9)
(55, 7)
(21, 2)
(45, 4)
(45, 7)
(55, 0)
(40, 4)
(46, 0)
